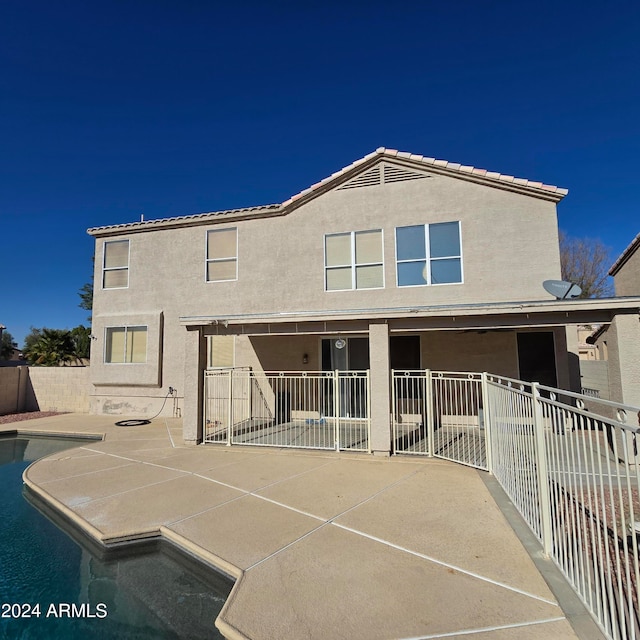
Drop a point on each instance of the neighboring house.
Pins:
(620, 340)
(398, 261)
(594, 374)
(626, 270)
(16, 359)
(597, 339)
(587, 350)
(594, 361)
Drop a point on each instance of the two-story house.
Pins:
(396, 262)
(620, 340)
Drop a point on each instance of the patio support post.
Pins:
(194, 358)
(380, 385)
(544, 498)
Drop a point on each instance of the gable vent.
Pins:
(367, 179)
(393, 173)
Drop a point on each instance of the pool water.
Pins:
(143, 592)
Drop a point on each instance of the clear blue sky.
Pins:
(116, 108)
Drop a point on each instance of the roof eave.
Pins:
(195, 220)
(625, 256)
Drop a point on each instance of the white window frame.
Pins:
(428, 259)
(104, 258)
(126, 329)
(353, 264)
(207, 260)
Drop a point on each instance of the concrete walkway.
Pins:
(322, 545)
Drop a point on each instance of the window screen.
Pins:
(222, 255)
(125, 345)
(115, 267)
(354, 260)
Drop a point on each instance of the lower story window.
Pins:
(125, 344)
(220, 352)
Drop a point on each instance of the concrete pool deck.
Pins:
(321, 544)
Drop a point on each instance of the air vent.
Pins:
(394, 173)
(367, 179)
(383, 173)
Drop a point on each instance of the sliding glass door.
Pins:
(347, 356)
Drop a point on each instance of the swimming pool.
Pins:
(56, 584)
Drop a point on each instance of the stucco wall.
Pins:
(493, 351)
(594, 374)
(627, 280)
(274, 353)
(509, 246)
(623, 340)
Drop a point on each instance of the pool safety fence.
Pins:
(569, 462)
(314, 410)
(439, 414)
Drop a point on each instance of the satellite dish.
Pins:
(562, 290)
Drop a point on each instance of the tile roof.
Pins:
(625, 255)
(593, 338)
(383, 152)
(197, 218)
(546, 191)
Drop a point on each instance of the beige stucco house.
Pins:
(620, 340)
(397, 261)
(626, 270)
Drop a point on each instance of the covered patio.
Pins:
(355, 380)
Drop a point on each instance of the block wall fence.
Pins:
(44, 389)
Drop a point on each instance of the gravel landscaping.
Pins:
(29, 415)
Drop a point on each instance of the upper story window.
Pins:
(115, 265)
(222, 255)
(429, 254)
(125, 345)
(353, 260)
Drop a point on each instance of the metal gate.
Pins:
(313, 410)
(439, 414)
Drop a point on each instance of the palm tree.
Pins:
(81, 337)
(52, 348)
(7, 345)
